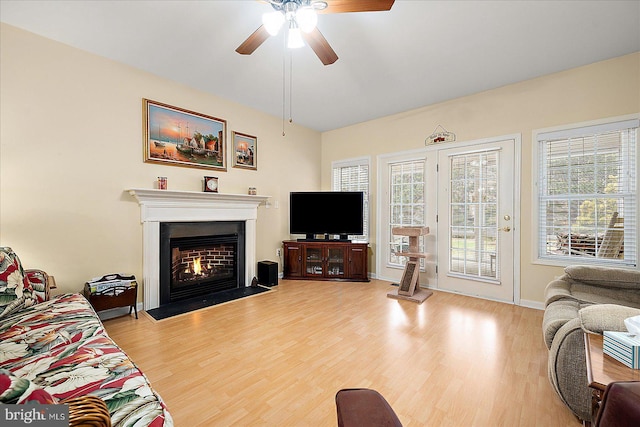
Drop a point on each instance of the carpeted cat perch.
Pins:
(409, 289)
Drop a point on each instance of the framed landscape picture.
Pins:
(244, 151)
(179, 137)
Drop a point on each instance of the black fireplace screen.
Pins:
(200, 258)
(202, 265)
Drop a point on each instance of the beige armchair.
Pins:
(584, 299)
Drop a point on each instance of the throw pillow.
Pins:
(16, 292)
(37, 281)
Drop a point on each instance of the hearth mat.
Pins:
(192, 304)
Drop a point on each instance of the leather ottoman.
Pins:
(620, 406)
(358, 407)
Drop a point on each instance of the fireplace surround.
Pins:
(162, 206)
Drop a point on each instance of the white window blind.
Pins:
(353, 175)
(587, 193)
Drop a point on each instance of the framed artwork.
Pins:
(179, 137)
(211, 184)
(244, 151)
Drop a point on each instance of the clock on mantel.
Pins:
(211, 184)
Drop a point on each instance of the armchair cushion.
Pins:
(16, 292)
(598, 318)
(604, 276)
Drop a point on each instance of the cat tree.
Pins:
(409, 289)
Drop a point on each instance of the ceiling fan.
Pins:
(301, 19)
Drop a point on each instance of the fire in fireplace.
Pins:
(198, 259)
(203, 264)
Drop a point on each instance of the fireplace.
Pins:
(199, 258)
(161, 206)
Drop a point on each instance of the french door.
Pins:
(466, 196)
(475, 225)
(404, 183)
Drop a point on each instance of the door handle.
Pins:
(505, 229)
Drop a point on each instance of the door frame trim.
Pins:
(517, 195)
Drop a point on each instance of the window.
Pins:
(353, 175)
(587, 194)
(406, 205)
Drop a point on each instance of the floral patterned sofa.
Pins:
(55, 350)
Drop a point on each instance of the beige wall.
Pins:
(605, 89)
(71, 143)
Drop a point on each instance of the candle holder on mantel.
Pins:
(409, 288)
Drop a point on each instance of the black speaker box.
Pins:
(268, 273)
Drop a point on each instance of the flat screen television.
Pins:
(327, 213)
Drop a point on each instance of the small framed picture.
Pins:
(244, 151)
(211, 184)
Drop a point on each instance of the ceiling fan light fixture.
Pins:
(272, 22)
(286, 11)
(307, 19)
(294, 37)
(319, 5)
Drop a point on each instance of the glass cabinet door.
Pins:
(335, 261)
(314, 261)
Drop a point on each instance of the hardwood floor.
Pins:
(278, 358)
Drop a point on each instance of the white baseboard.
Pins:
(532, 304)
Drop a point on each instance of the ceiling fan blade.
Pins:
(253, 41)
(343, 6)
(320, 46)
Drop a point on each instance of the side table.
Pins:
(119, 296)
(603, 369)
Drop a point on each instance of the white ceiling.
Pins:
(418, 53)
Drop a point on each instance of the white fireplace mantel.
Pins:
(158, 206)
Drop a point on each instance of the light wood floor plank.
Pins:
(278, 358)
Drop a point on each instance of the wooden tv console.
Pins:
(326, 260)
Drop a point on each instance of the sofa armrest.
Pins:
(598, 318)
(556, 290)
(567, 369)
(88, 411)
(555, 316)
(41, 282)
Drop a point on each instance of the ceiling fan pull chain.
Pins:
(290, 86)
(284, 86)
